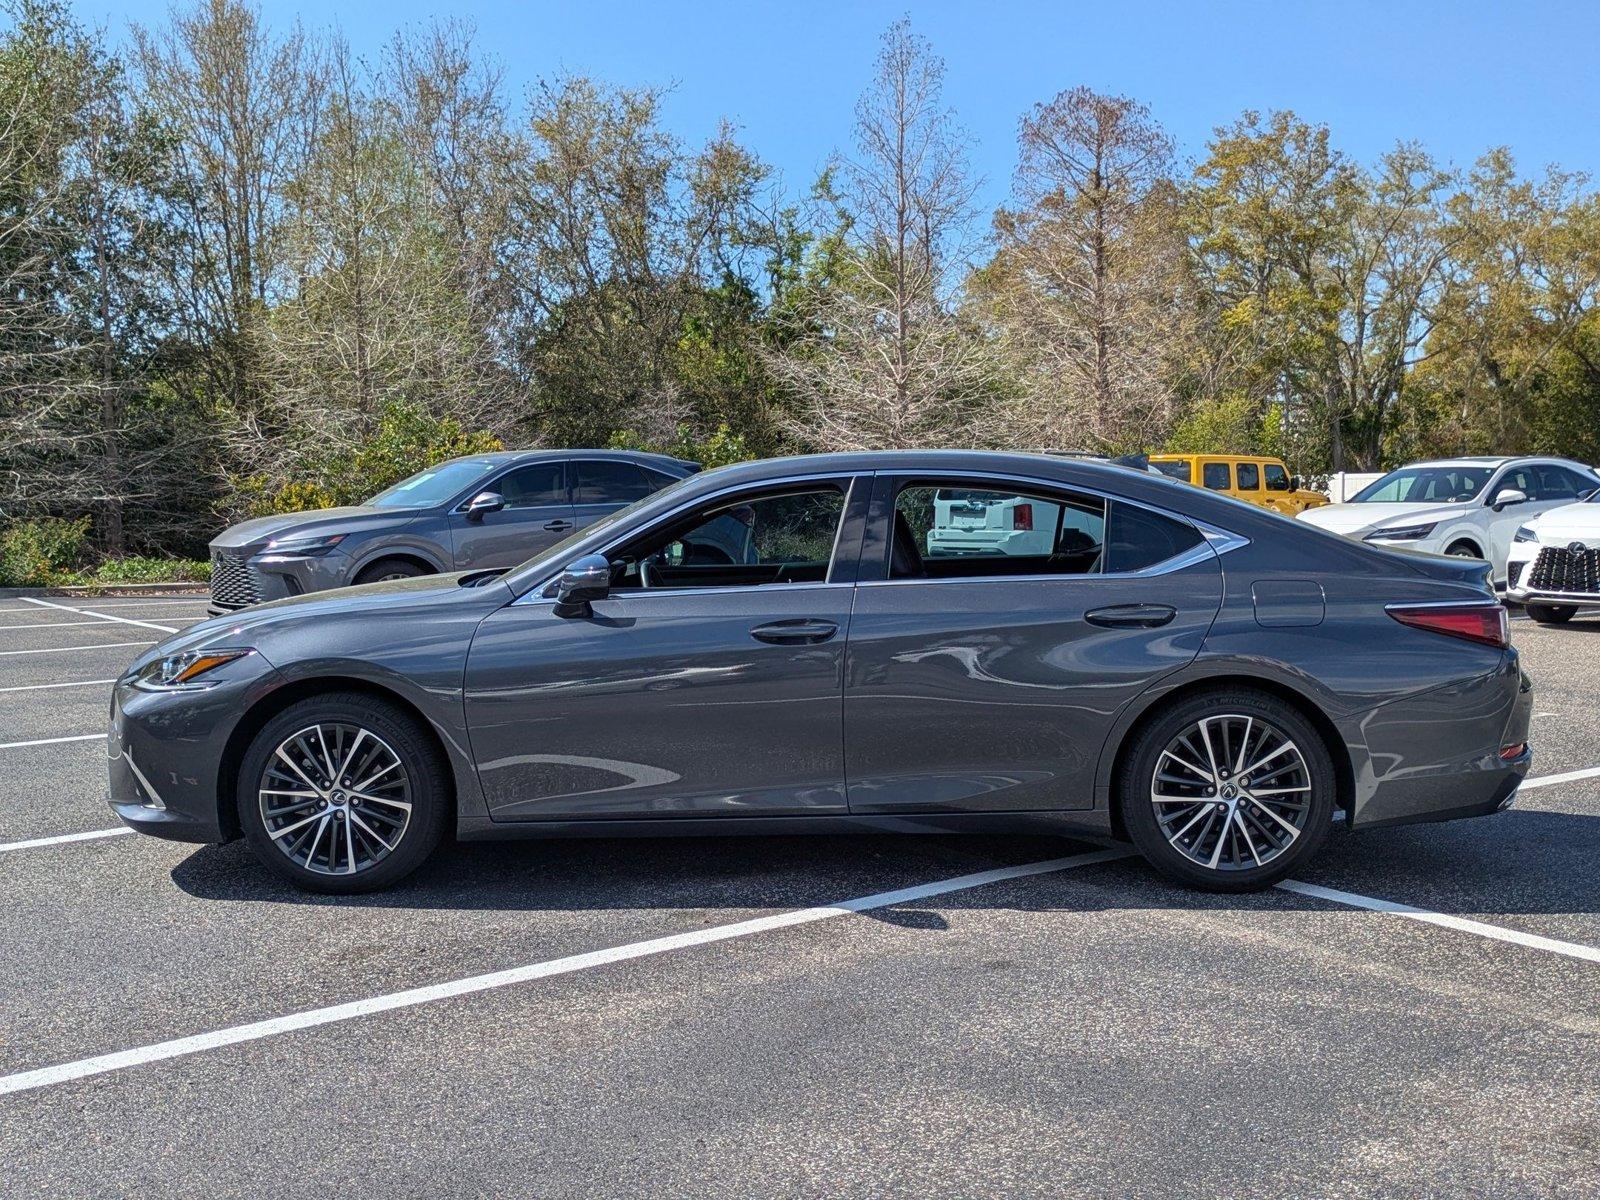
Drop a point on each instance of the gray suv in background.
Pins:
(466, 514)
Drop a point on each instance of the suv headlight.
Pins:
(185, 672)
(1525, 533)
(1401, 533)
(311, 546)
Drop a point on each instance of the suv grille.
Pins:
(232, 583)
(1558, 569)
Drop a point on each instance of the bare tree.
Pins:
(1084, 287)
(877, 356)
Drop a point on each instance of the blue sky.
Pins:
(1458, 77)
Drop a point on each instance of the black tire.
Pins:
(390, 568)
(1137, 781)
(1551, 614)
(1464, 550)
(423, 782)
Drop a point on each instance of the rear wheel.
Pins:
(342, 793)
(1227, 791)
(1552, 614)
(390, 568)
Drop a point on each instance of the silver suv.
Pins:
(467, 514)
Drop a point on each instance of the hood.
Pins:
(1569, 523)
(260, 530)
(251, 626)
(1354, 519)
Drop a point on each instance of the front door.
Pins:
(709, 683)
(985, 672)
(537, 514)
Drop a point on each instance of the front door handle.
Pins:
(558, 525)
(803, 631)
(1131, 616)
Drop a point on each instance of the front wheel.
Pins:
(343, 793)
(386, 569)
(1551, 614)
(1227, 791)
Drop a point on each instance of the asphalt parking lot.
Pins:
(796, 1017)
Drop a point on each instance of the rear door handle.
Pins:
(557, 525)
(1131, 616)
(803, 631)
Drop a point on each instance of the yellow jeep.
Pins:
(1258, 479)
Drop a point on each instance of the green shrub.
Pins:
(41, 553)
(721, 448)
(136, 568)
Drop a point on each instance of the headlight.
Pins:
(1401, 533)
(311, 546)
(183, 672)
(1525, 533)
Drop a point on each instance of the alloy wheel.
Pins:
(335, 798)
(1231, 792)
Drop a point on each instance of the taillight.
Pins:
(1484, 623)
(1022, 517)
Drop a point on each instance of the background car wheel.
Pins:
(390, 568)
(343, 793)
(1227, 791)
(1464, 550)
(1551, 614)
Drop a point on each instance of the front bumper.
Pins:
(1553, 575)
(167, 752)
(242, 577)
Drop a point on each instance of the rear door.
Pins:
(989, 682)
(603, 485)
(537, 514)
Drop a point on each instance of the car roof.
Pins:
(1270, 458)
(643, 457)
(1495, 460)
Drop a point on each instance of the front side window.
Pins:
(533, 486)
(1277, 478)
(964, 531)
(783, 538)
(597, 481)
(1215, 476)
(1249, 477)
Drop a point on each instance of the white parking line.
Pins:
(40, 687)
(256, 1030)
(78, 737)
(62, 649)
(61, 839)
(89, 612)
(1564, 777)
(50, 625)
(1496, 932)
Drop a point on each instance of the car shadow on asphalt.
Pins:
(1515, 862)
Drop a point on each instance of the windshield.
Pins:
(1425, 485)
(434, 486)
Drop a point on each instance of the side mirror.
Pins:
(1508, 496)
(585, 579)
(1296, 482)
(483, 503)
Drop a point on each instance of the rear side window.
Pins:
(964, 531)
(1138, 538)
(1277, 478)
(658, 479)
(601, 482)
(1215, 476)
(533, 485)
(1174, 470)
(1249, 477)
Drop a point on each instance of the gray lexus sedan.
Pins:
(485, 510)
(807, 644)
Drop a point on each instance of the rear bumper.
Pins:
(1437, 757)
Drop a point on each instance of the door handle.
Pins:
(803, 631)
(1131, 616)
(557, 525)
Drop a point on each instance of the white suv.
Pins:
(1465, 506)
(1553, 569)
